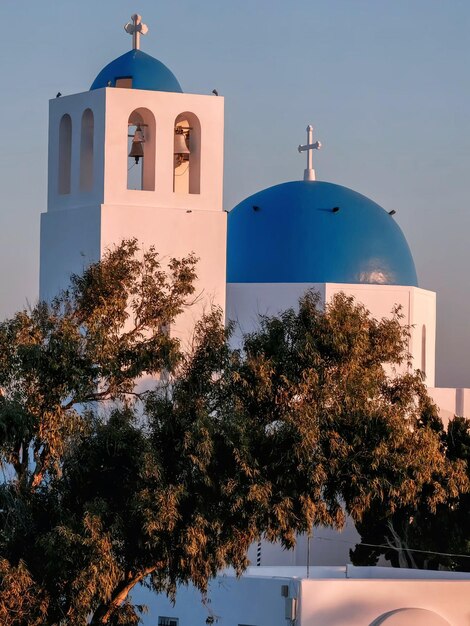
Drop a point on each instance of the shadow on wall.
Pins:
(408, 617)
(357, 612)
(347, 612)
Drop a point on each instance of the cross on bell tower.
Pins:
(136, 29)
(309, 147)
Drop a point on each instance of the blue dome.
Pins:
(289, 234)
(145, 71)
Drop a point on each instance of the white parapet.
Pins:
(329, 597)
(246, 301)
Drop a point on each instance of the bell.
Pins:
(181, 147)
(137, 149)
(139, 135)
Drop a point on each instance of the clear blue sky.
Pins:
(385, 83)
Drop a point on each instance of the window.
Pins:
(187, 166)
(167, 621)
(124, 83)
(65, 154)
(86, 151)
(141, 129)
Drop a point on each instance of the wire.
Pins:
(378, 545)
(129, 168)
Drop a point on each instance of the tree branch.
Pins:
(104, 612)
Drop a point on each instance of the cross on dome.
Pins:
(136, 29)
(309, 147)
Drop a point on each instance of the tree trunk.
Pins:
(104, 612)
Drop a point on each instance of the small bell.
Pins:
(181, 150)
(137, 148)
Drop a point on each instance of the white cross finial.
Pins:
(136, 29)
(309, 147)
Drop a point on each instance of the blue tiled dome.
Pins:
(145, 71)
(289, 233)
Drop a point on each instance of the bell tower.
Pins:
(136, 157)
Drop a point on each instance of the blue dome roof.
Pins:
(145, 71)
(289, 233)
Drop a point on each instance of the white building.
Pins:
(98, 195)
(331, 596)
(135, 156)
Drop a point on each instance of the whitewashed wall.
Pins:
(80, 226)
(418, 306)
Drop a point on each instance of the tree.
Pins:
(88, 346)
(107, 488)
(58, 363)
(419, 535)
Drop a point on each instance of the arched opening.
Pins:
(187, 154)
(410, 616)
(65, 154)
(86, 151)
(141, 130)
(423, 349)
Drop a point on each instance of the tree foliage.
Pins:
(106, 488)
(419, 535)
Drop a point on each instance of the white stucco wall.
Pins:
(363, 602)
(451, 401)
(80, 226)
(71, 239)
(245, 301)
(330, 597)
(176, 233)
(74, 106)
(418, 307)
(111, 108)
(328, 547)
(232, 602)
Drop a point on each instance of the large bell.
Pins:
(137, 148)
(181, 151)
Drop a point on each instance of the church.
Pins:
(137, 157)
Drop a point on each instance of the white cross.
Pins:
(309, 147)
(136, 29)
